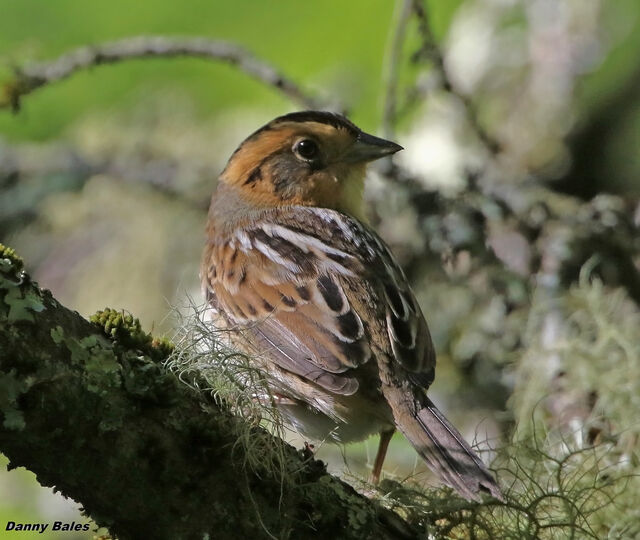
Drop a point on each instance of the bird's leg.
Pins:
(385, 438)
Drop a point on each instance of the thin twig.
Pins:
(431, 50)
(32, 77)
(390, 106)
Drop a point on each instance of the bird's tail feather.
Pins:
(443, 448)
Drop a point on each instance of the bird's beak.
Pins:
(369, 148)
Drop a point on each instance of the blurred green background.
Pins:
(105, 177)
(346, 48)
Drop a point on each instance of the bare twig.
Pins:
(32, 77)
(389, 112)
(431, 50)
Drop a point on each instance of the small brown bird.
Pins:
(319, 302)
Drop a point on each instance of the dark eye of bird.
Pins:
(307, 149)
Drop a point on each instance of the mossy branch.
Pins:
(90, 408)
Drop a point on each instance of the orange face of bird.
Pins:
(307, 158)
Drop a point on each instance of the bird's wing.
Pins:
(317, 290)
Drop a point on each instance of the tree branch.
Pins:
(91, 410)
(398, 37)
(32, 77)
(431, 50)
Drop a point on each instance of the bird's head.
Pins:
(306, 158)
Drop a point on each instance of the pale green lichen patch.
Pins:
(22, 305)
(361, 514)
(96, 356)
(13, 419)
(102, 370)
(11, 387)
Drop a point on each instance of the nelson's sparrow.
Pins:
(318, 301)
